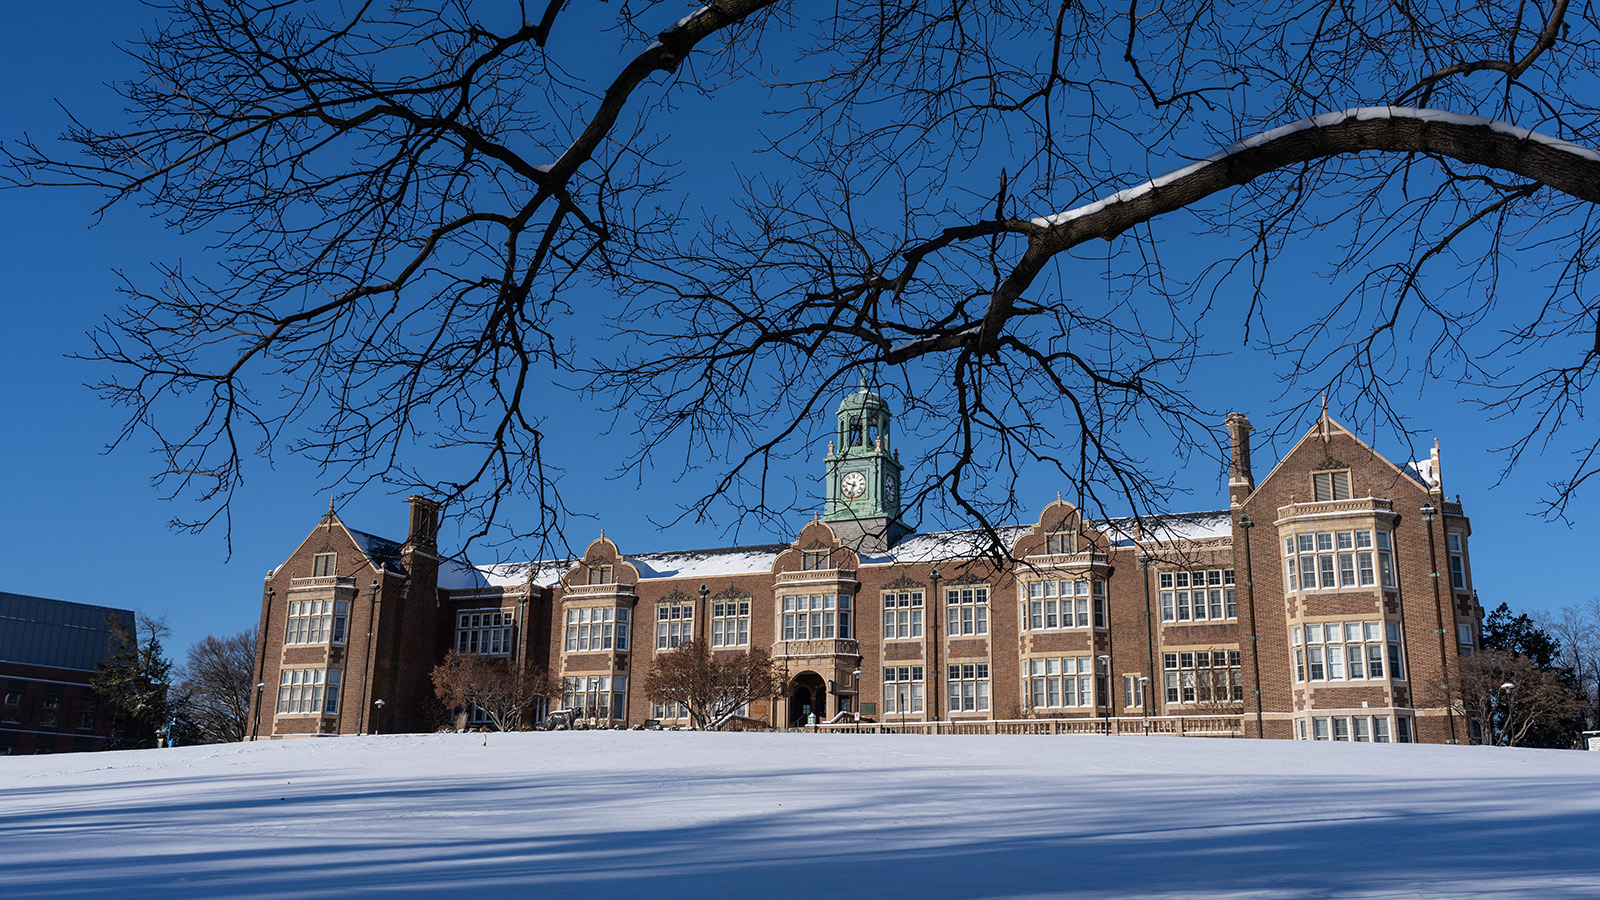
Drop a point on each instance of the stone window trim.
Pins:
(308, 692)
(486, 632)
(903, 614)
(1337, 559)
(1330, 485)
(1348, 652)
(324, 565)
(1200, 596)
(966, 610)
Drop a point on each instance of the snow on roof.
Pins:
(941, 545)
(1194, 526)
(458, 576)
(707, 563)
(917, 548)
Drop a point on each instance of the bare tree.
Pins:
(214, 684)
(1509, 695)
(712, 686)
(503, 692)
(419, 200)
(1576, 628)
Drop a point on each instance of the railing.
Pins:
(322, 581)
(590, 591)
(1335, 508)
(1179, 726)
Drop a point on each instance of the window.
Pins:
(597, 628)
(484, 631)
(669, 711)
(968, 610)
(50, 714)
(1360, 729)
(1061, 682)
(1328, 560)
(814, 560)
(598, 696)
(324, 565)
(1330, 485)
(816, 617)
(1061, 542)
(1465, 639)
(730, 624)
(601, 573)
(969, 687)
(88, 711)
(1203, 676)
(308, 691)
(1133, 691)
(12, 711)
(902, 690)
(1065, 604)
(1206, 595)
(1458, 562)
(674, 624)
(902, 615)
(1345, 651)
(316, 622)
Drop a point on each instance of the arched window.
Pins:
(855, 431)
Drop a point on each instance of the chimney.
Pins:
(1240, 481)
(423, 533)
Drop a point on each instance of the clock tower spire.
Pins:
(863, 475)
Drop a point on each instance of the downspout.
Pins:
(1149, 635)
(261, 655)
(373, 608)
(1428, 512)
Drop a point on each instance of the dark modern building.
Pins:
(48, 651)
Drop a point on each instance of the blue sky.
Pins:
(88, 526)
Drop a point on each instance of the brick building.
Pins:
(1331, 600)
(48, 651)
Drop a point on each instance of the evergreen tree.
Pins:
(1525, 696)
(132, 681)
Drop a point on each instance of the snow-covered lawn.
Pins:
(667, 815)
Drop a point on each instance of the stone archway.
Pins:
(808, 695)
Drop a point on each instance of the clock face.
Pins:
(853, 485)
(891, 493)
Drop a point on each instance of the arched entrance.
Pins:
(808, 695)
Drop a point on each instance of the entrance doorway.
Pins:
(808, 695)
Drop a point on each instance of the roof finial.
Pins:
(1323, 422)
(1058, 496)
(602, 534)
(862, 373)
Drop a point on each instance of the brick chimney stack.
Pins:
(423, 533)
(1240, 481)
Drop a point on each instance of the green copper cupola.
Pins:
(863, 474)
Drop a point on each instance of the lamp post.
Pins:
(377, 719)
(1510, 688)
(938, 637)
(255, 730)
(1144, 694)
(1149, 628)
(857, 702)
(1428, 512)
(1105, 673)
(1253, 638)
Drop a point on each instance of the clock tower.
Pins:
(863, 476)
